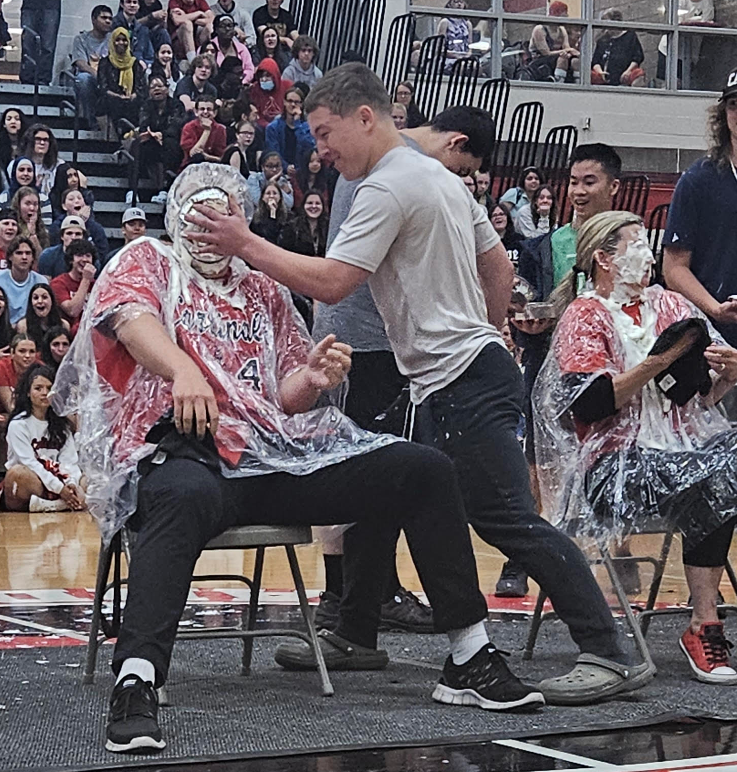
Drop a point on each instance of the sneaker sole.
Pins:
(136, 744)
(356, 662)
(471, 698)
(706, 678)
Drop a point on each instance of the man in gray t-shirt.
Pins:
(375, 380)
(442, 282)
(88, 48)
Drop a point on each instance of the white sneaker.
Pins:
(37, 504)
(160, 197)
(129, 197)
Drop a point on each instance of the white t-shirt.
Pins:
(416, 228)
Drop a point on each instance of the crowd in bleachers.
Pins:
(177, 86)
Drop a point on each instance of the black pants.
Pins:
(474, 421)
(375, 382)
(182, 505)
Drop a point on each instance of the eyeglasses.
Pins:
(246, 134)
(294, 102)
(41, 139)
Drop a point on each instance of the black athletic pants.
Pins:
(182, 505)
(474, 421)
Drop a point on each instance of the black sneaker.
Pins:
(406, 613)
(326, 613)
(132, 721)
(486, 682)
(512, 582)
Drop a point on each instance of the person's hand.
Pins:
(677, 350)
(533, 326)
(88, 272)
(194, 403)
(726, 312)
(159, 15)
(723, 361)
(72, 496)
(328, 363)
(223, 232)
(158, 136)
(5, 352)
(206, 123)
(32, 220)
(272, 209)
(291, 169)
(85, 212)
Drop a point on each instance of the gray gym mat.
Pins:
(48, 718)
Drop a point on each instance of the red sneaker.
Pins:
(708, 654)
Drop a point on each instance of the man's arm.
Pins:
(496, 274)
(148, 343)
(327, 366)
(323, 279)
(679, 277)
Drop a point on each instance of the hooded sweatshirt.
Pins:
(268, 103)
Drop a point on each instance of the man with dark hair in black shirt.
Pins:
(700, 258)
(272, 14)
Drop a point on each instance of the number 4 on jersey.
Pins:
(251, 372)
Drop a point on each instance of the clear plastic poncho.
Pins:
(242, 331)
(650, 461)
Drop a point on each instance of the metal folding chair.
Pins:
(256, 537)
(639, 630)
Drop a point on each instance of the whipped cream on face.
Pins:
(206, 263)
(630, 269)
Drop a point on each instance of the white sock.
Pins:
(135, 666)
(576, 77)
(560, 75)
(191, 55)
(466, 642)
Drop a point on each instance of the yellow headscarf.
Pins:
(123, 63)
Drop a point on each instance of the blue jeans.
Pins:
(474, 420)
(46, 22)
(85, 91)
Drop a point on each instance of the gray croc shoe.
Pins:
(339, 655)
(593, 679)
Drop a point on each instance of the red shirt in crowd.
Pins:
(191, 134)
(197, 5)
(65, 287)
(8, 374)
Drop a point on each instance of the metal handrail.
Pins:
(133, 158)
(37, 38)
(67, 105)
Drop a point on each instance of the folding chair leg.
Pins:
(732, 578)
(537, 619)
(657, 580)
(327, 687)
(103, 569)
(625, 604)
(253, 610)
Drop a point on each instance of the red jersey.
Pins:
(243, 338)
